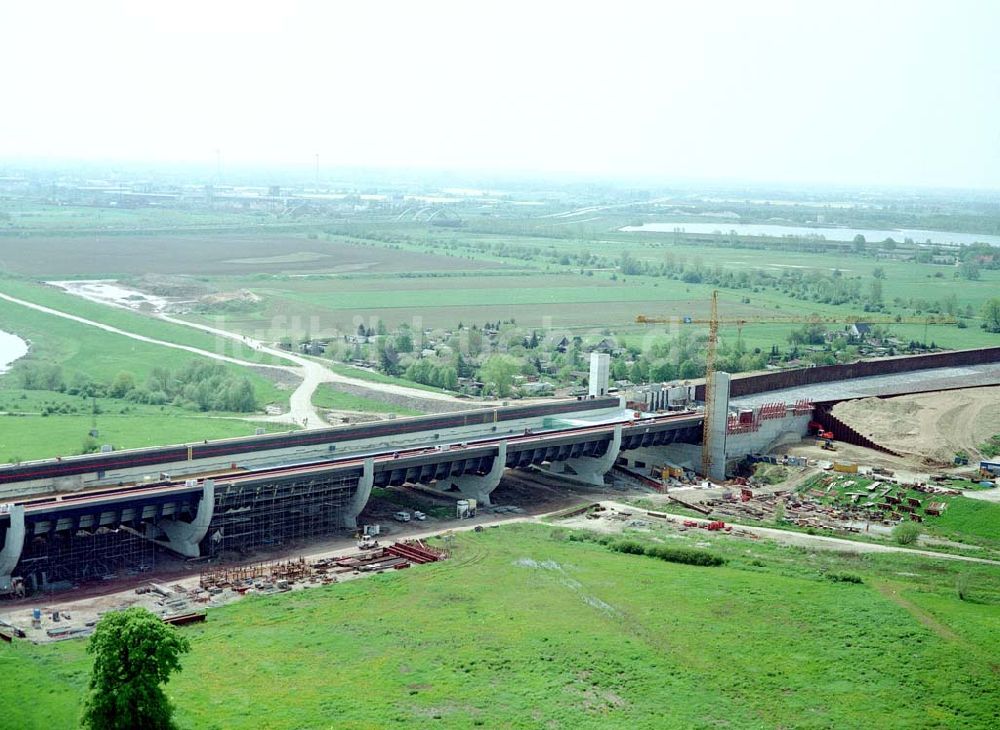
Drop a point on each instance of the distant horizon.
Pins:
(206, 169)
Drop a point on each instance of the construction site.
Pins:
(791, 516)
(126, 570)
(856, 466)
(185, 599)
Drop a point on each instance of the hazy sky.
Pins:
(849, 92)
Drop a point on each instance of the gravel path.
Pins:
(301, 410)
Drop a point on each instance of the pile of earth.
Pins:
(931, 427)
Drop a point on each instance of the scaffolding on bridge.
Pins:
(248, 518)
(50, 561)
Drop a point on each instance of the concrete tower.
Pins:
(600, 371)
(718, 421)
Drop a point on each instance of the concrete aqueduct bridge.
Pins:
(238, 495)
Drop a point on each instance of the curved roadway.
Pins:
(301, 410)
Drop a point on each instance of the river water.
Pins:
(831, 234)
(12, 348)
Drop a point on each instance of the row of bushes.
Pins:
(844, 577)
(686, 556)
(670, 554)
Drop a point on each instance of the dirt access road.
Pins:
(301, 410)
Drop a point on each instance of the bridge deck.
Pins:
(918, 381)
(632, 428)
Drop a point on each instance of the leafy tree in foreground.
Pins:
(134, 653)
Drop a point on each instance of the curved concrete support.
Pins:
(361, 495)
(184, 537)
(12, 547)
(590, 469)
(478, 487)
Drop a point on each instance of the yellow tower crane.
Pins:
(714, 322)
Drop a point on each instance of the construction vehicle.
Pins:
(825, 440)
(714, 322)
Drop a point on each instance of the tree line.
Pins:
(199, 385)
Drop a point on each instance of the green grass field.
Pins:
(525, 629)
(327, 396)
(27, 434)
(969, 520)
(23, 438)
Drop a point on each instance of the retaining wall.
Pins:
(753, 383)
(842, 432)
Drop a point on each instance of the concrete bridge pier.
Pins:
(590, 469)
(361, 495)
(478, 487)
(718, 421)
(12, 546)
(184, 538)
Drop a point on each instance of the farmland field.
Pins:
(546, 293)
(525, 628)
(585, 305)
(561, 300)
(210, 253)
(401, 273)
